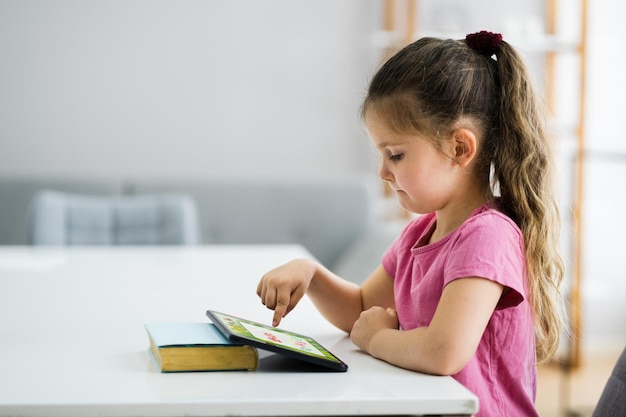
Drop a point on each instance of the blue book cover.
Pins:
(185, 347)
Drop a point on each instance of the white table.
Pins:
(72, 341)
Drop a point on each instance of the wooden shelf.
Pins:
(530, 43)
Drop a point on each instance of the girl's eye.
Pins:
(396, 157)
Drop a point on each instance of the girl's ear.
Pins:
(464, 146)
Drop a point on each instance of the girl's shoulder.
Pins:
(489, 218)
(485, 221)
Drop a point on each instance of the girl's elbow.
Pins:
(447, 362)
(447, 368)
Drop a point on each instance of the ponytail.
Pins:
(523, 169)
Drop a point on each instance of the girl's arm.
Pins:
(342, 302)
(447, 344)
(338, 300)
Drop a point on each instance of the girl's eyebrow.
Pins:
(390, 143)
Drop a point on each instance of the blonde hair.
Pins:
(432, 84)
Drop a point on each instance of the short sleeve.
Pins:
(490, 246)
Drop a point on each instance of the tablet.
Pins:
(275, 340)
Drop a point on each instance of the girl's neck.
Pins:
(452, 216)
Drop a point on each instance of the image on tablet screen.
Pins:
(275, 336)
(282, 338)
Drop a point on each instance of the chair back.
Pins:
(57, 218)
(612, 402)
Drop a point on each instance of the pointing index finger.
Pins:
(279, 313)
(283, 298)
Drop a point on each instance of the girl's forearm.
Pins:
(338, 300)
(417, 351)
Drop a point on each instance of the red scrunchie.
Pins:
(484, 42)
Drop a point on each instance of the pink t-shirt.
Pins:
(489, 245)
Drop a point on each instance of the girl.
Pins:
(471, 287)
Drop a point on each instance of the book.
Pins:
(187, 347)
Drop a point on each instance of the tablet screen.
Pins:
(274, 339)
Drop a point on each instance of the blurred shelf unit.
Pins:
(533, 43)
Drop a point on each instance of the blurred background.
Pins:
(194, 90)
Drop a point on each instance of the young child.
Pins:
(471, 287)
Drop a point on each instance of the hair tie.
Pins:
(484, 42)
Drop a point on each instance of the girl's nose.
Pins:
(384, 173)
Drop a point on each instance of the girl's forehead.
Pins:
(383, 120)
(382, 136)
(375, 122)
(379, 130)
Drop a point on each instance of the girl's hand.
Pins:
(371, 322)
(283, 287)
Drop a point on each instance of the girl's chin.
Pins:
(404, 200)
(406, 203)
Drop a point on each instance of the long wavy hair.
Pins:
(431, 85)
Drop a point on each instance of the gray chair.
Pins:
(325, 216)
(16, 194)
(612, 402)
(65, 219)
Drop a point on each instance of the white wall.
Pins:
(184, 89)
(152, 89)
